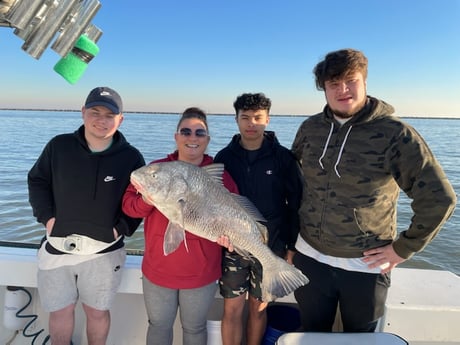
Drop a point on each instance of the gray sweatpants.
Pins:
(162, 304)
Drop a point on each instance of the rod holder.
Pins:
(22, 12)
(37, 22)
(76, 24)
(51, 22)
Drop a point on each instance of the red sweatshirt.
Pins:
(181, 269)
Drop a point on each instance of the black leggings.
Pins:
(360, 296)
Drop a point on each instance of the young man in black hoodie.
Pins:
(75, 189)
(268, 175)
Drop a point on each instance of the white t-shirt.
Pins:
(349, 264)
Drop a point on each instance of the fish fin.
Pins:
(280, 279)
(174, 235)
(249, 207)
(216, 171)
(182, 201)
(252, 210)
(263, 232)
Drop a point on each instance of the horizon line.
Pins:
(217, 114)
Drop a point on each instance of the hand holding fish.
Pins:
(224, 241)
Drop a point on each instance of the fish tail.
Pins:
(280, 280)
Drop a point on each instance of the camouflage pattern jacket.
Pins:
(354, 173)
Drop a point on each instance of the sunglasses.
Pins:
(200, 132)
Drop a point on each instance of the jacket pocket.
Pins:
(376, 219)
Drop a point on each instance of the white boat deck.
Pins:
(423, 306)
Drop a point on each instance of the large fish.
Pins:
(195, 199)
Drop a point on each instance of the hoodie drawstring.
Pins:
(340, 152)
(325, 146)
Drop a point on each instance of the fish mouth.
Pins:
(136, 184)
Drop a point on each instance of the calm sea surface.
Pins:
(24, 134)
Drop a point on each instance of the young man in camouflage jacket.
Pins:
(355, 158)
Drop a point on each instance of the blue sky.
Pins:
(168, 55)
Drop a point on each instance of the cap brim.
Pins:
(113, 108)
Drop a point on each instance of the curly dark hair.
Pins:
(339, 64)
(252, 101)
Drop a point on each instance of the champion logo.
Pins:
(109, 179)
(269, 172)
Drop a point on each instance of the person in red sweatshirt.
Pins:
(183, 279)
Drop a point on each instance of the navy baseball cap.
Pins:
(106, 97)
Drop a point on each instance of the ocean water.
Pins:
(25, 133)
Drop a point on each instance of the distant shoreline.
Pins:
(217, 114)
